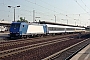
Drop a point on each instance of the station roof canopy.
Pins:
(44, 22)
(2, 22)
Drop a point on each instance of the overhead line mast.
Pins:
(33, 15)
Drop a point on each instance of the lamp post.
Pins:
(14, 10)
(89, 20)
(65, 19)
(75, 21)
(55, 18)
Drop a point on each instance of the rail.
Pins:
(76, 52)
(56, 54)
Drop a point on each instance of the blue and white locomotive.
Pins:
(22, 29)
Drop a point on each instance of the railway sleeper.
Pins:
(5, 56)
(8, 51)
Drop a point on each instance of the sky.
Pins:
(72, 12)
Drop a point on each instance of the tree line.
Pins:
(22, 20)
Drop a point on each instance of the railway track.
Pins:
(19, 43)
(67, 53)
(9, 41)
(11, 52)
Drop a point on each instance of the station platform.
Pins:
(4, 33)
(83, 54)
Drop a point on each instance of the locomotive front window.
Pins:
(15, 25)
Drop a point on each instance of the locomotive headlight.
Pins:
(17, 32)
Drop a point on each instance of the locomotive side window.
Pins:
(23, 25)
